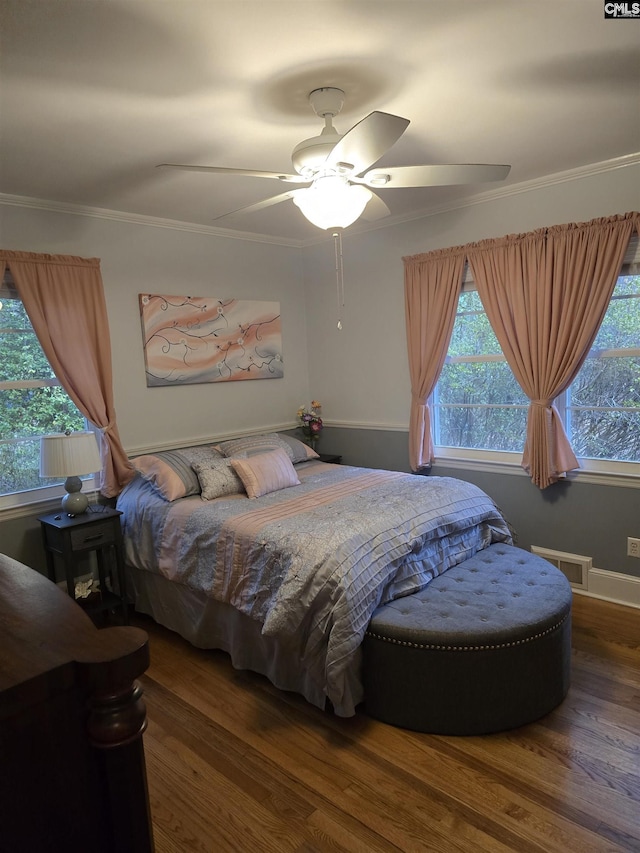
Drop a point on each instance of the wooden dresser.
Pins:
(72, 763)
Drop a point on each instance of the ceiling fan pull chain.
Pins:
(337, 239)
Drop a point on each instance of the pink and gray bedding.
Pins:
(310, 563)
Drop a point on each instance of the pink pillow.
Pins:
(266, 472)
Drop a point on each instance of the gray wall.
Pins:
(21, 539)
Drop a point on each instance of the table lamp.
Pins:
(70, 454)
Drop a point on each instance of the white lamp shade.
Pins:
(71, 455)
(332, 202)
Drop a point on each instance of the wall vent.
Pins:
(573, 566)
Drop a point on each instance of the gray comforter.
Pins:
(315, 560)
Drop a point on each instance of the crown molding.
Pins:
(508, 191)
(140, 219)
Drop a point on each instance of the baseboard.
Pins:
(612, 586)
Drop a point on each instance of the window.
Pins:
(602, 406)
(477, 402)
(479, 405)
(32, 402)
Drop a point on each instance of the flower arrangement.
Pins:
(310, 421)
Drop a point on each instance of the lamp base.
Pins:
(74, 502)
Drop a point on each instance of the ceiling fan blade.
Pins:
(375, 209)
(432, 176)
(260, 205)
(251, 173)
(366, 142)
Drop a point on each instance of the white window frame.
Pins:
(591, 470)
(14, 503)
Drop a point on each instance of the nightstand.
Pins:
(330, 457)
(72, 538)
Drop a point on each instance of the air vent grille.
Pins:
(573, 566)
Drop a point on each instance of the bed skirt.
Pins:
(210, 624)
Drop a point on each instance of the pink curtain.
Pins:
(64, 298)
(545, 294)
(432, 283)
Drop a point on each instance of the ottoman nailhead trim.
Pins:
(435, 647)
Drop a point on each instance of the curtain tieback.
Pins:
(419, 401)
(544, 404)
(108, 427)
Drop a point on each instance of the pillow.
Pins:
(266, 472)
(249, 445)
(170, 471)
(301, 452)
(252, 444)
(217, 478)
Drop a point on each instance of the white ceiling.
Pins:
(95, 93)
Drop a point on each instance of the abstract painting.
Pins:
(189, 340)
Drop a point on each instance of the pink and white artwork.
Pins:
(189, 340)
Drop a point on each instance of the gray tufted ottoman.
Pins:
(484, 648)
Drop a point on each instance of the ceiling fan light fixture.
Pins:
(332, 202)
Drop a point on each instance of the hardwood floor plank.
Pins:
(564, 793)
(606, 621)
(221, 815)
(495, 797)
(236, 765)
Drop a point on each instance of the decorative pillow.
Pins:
(249, 445)
(241, 448)
(217, 478)
(266, 472)
(170, 471)
(301, 452)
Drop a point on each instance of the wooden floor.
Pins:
(235, 765)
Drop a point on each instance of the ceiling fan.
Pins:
(336, 169)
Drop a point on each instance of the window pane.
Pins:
(608, 382)
(19, 466)
(606, 435)
(476, 407)
(482, 428)
(472, 332)
(21, 356)
(27, 413)
(487, 382)
(620, 328)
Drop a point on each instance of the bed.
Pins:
(256, 547)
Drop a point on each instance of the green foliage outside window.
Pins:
(32, 403)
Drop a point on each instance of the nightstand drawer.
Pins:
(92, 536)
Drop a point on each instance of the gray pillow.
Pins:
(170, 471)
(301, 452)
(251, 444)
(217, 478)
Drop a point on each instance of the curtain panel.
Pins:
(545, 293)
(64, 299)
(432, 285)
